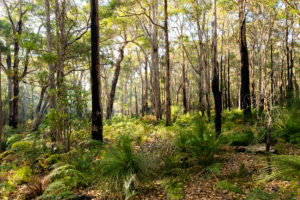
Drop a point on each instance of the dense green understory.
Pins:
(143, 159)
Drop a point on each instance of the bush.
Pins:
(174, 189)
(283, 166)
(122, 167)
(291, 127)
(225, 185)
(258, 194)
(20, 176)
(236, 138)
(63, 178)
(198, 143)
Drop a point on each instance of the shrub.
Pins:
(236, 138)
(225, 185)
(121, 164)
(174, 189)
(20, 176)
(198, 143)
(291, 127)
(57, 190)
(283, 166)
(63, 178)
(259, 194)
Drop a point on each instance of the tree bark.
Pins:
(17, 31)
(1, 112)
(155, 64)
(49, 49)
(168, 91)
(245, 91)
(136, 103)
(215, 81)
(38, 113)
(110, 104)
(97, 123)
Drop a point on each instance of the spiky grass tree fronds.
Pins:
(283, 166)
(122, 167)
(199, 143)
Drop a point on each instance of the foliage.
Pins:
(225, 185)
(290, 129)
(121, 165)
(174, 189)
(57, 190)
(64, 178)
(20, 176)
(198, 142)
(236, 138)
(283, 166)
(258, 194)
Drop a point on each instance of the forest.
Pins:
(149, 99)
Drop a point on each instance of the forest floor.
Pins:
(32, 167)
(239, 166)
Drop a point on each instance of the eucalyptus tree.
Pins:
(97, 117)
(245, 91)
(215, 74)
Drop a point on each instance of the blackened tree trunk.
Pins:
(272, 75)
(97, 123)
(215, 80)
(168, 92)
(17, 28)
(184, 97)
(1, 113)
(136, 103)
(228, 81)
(245, 90)
(146, 85)
(110, 103)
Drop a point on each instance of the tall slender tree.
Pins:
(245, 90)
(1, 113)
(215, 80)
(97, 119)
(167, 49)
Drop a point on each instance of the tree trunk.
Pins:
(1, 113)
(215, 81)
(155, 64)
(38, 113)
(146, 85)
(49, 49)
(228, 80)
(110, 104)
(97, 123)
(245, 91)
(168, 91)
(9, 82)
(184, 98)
(136, 103)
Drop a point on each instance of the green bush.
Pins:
(198, 143)
(291, 127)
(122, 165)
(57, 190)
(259, 194)
(225, 185)
(236, 138)
(174, 189)
(282, 166)
(20, 176)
